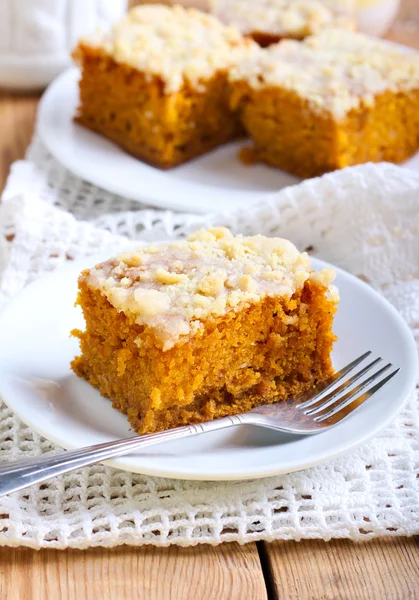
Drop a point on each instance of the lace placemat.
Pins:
(363, 219)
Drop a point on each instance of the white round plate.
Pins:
(215, 182)
(38, 385)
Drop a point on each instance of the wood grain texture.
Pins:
(227, 572)
(17, 118)
(376, 570)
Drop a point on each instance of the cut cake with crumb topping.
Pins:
(195, 330)
(156, 84)
(268, 21)
(339, 98)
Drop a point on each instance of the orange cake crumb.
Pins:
(156, 84)
(337, 99)
(247, 155)
(191, 331)
(269, 21)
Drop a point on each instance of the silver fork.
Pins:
(324, 407)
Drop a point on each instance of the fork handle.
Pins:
(17, 475)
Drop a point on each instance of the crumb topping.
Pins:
(174, 43)
(297, 18)
(174, 288)
(336, 70)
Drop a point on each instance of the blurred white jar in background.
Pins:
(375, 17)
(37, 36)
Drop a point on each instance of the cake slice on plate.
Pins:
(193, 330)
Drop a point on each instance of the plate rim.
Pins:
(240, 474)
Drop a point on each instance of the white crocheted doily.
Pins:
(364, 219)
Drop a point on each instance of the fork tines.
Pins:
(341, 400)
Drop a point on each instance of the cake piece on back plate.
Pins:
(156, 84)
(339, 98)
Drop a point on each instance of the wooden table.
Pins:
(375, 570)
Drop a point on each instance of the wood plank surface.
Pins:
(381, 569)
(226, 572)
(315, 570)
(17, 119)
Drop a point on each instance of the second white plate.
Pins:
(215, 182)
